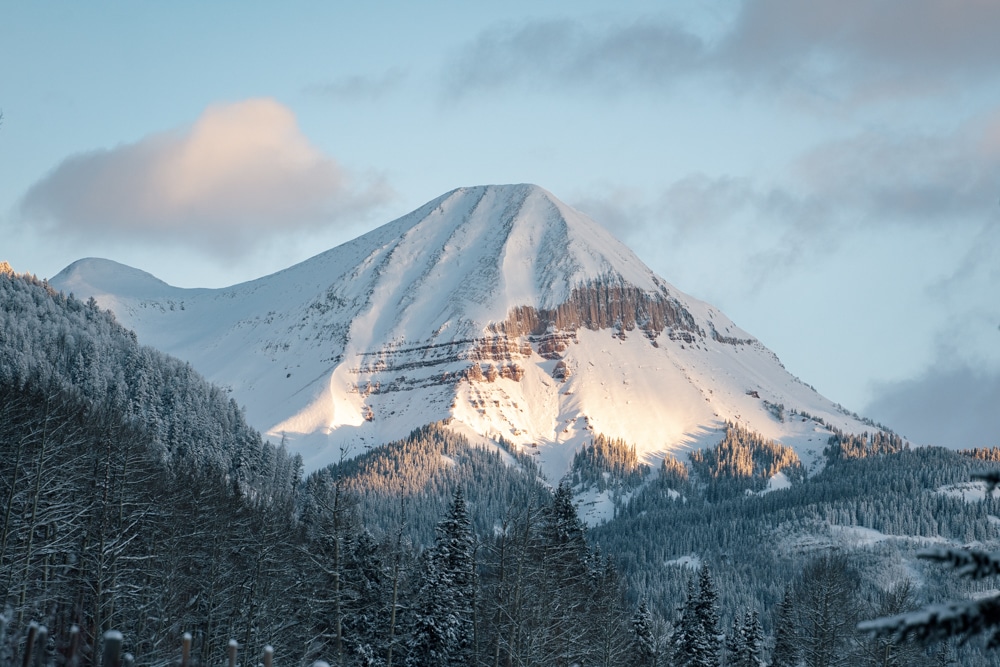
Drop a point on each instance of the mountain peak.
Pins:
(498, 309)
(93, 276)
(521, 241)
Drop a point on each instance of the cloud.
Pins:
(920, 179)
(242, 173)
(869, 179)
(565, 52)
(945, 186)
(954, 407)
(866, 48)
(358, 87)
(851, 50)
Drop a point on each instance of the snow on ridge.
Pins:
(366, 341)
(106, 276)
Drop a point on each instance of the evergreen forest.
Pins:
(134, 497)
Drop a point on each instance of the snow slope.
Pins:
(497, 307)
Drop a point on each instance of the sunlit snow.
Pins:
(365, 342)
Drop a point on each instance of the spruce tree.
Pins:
(753, 641)
(697, 643)
(443, 633)
(643, 648)
(785, 652)
(689, 631)
(707, 611)
(735, 646)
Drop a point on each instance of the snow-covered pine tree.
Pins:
(707, 610)
(785, 653)
(734, 643)
(443, 635)
(643, 644)
(565, 582)
(689, 629)
(697, 641)
(752, 650)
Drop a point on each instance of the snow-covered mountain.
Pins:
(498, 308)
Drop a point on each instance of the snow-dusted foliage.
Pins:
(57, 342)
(744, 460)
(955, 620)
(607, 462)
(696, 643)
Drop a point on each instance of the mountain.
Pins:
(498, 309)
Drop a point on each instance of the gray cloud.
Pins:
(240, 175)
(869, 49)
(953, 407)
(869, 179)
(570, 53)
(918, 179)
(852, 50)
(351, 88)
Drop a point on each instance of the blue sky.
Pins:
(826, 173)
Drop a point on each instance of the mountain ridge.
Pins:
(498, 308)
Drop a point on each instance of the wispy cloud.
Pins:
(867, 181)
(853, 51)
(568, 53)
(358, 87)
(917, 179)
(240, 174)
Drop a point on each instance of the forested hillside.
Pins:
(55, 342)
(134, 496)
(856, 527)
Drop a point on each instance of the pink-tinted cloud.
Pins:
(240, 174)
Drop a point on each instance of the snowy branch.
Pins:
(967, 562)
(939, 622)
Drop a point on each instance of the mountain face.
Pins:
(498, 309)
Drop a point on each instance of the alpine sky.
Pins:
(826, 173)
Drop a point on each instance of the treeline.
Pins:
(607, 462)
(743, 461)
(410, 481)
(842, 446)
(53, 341)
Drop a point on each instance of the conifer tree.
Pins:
(698, 635)
(707, 610)
(689, 630)
(444, 625)
(735, 646)
(785, 653)
(753, 641)
(643, 645)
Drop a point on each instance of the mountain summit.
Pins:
(497, 308)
